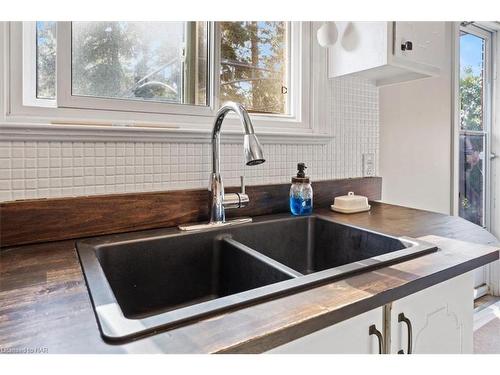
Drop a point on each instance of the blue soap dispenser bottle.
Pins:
(301, 193)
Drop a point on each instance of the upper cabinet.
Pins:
(388, 52)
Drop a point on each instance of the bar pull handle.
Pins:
(403, 319)
(372, 330)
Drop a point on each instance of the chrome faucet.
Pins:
(218, 200)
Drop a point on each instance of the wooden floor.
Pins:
(487, 325)
(485, 301)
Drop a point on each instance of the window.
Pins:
(253, 67)
(46, 60)
(171, 68)
(133, 66)
(474, 94)
(157, 61)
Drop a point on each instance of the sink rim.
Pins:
(116, 327)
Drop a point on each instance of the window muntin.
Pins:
(254, 65)
(153, 61)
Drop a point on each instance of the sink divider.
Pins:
(256, 254)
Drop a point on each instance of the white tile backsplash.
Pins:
(62, 169)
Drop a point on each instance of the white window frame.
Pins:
(492, 271)
(65, 98)
(487, 120)
(298, 126)
(30, 69)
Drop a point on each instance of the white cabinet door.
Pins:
(346, 337)
(427, 42)
(440, 317)
(361, 46)
(373, 50)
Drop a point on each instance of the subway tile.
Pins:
(5, 152)
(5, 195)
(54, 169)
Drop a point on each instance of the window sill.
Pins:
(119, 133)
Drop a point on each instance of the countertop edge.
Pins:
(275, 339)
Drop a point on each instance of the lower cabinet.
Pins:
(350, 336)
(434, 320)
(438, 319)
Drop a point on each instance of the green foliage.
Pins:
(46, 61)
(471, 92)
(253, 70)
(98, 51)
(128, 59)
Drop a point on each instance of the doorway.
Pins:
(474, 140)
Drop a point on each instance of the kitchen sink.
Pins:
(152, 276)
(312, 244)
(145, 282)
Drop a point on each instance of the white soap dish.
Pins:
(350, 204)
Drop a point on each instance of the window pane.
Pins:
(254, 57)
(46, 60)
(471, 81)
(156, 61)
(471, 178)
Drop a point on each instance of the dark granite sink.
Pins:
(141, 283)
(311, 244)
(153, 276)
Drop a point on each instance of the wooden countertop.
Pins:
(45, 305)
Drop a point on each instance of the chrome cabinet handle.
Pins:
(372, 330)
(493, 155)
(404, 319)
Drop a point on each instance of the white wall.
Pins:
(415, 141)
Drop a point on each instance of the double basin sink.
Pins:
(142, 283)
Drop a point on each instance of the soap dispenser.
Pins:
(301, 193)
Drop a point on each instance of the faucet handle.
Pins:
(243, 196)
(236, 200)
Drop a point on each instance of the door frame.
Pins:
(494, 268)
(491, 102)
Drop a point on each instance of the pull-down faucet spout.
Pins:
(252, 151)
(218, 201)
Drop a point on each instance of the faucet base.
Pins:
(190, 227)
